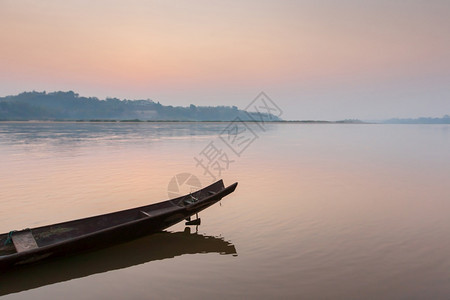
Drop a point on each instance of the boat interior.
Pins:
(28, 239)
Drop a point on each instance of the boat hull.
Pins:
(154, 218)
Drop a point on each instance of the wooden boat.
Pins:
(35, 244)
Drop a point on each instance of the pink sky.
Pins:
(333, 60)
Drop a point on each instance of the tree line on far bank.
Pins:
(70, 106)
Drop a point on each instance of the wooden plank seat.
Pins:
(24, 240)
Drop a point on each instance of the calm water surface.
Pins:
(321, 211)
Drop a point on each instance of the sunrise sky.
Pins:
(316, 59)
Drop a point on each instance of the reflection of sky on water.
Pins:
(76, 133)
(321, 211)
(45, 140)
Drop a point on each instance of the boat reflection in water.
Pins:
(162, 245)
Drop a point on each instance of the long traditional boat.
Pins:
(34, 244)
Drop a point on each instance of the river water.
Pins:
(322, 211)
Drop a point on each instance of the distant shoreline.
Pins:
(184, 121)
(306, 122)
(69, 106)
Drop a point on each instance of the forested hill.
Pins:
(70, 106)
